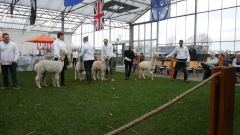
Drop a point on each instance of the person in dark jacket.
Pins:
(192, 53)
(128, 56)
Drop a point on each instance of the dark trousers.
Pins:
(88, 68)
(74, 62)
(128, 68)
(62, 73)
(237, 71)
(181, 63)
(207, 70)
(192, 59)
(111, 68)
(13, 71)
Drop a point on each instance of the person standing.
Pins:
(57, 45)
(8, 60)
(192, 53)
(183, 59)
(135, 62)
(88, 58)
(75, 57)
(128, 56)
(107, 48)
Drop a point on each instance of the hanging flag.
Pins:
(160, 10)
(71, 2)
(98, 15)
(33, 11)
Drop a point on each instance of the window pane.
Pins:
(215, 4)
(202, 5)
(154, 30)
(237, 46)
(190, 6)
(202, 23)
(147, 48)
(162, 32)
(181, 8)
(141, 47)
(171, 31)
(228, 24)
(154, 46)
(141, 32)
(214, 25)
(228, 3)
(190, 29)
(148, 31)
(173, 9)
(227, 46)
(238, 24)
(180, 31)
(135, 34)
(135, 47)
(214, 47)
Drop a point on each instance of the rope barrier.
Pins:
(148, 115)
(237, 75)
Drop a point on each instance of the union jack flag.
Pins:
(98, 15)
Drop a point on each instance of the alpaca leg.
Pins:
(44, 79)
(140, 73)
(76, 74)
(102, 75)
(80, 75)
(97, 75)
(143, 74)
(56, 79)
(94, 75)
(53, 79)
(151, 73)
(38, 79)
(83, 75)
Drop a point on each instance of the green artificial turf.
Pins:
(101, 107)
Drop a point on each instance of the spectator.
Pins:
(75, 57)
(236, 63)
(211, 62)
(128, 56)
(226, 59)
(221, 55)
(135, 62)
(161, 58)
(142, 57)
(39, 54)
(192, 53)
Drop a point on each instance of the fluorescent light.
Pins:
(5, 16)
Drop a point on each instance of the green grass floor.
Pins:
(101, 107)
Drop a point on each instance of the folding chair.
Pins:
(165, 65)
(169, 67)
(157, 65)
(193, 65)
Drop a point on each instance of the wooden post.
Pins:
(172, 67)
(222, 101)
(221, 62)
(138, 61)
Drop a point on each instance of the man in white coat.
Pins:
(57, 44)
(107, 48)
(8, 60)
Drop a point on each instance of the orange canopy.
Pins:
(1, 38)
(42, 39)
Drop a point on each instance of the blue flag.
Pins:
(160, 10)
(71, 2)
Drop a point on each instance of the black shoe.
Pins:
(129, 78)
(65, 84)
(126, 78)
(17, 87)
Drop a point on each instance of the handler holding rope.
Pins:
(182, 60)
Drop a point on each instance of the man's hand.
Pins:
(130, 60)
(14, 61)
(187, 62)
(102, 62)
(61, 59)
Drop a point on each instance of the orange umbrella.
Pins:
(1, 38)
(42, 39)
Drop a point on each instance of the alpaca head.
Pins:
(155, 55)
(107, 57)
(62, 52)
(81, 58)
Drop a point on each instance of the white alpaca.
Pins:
(148, 65)
(99, 66)
(54, 67)
(80, 70)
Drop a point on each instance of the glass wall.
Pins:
(218, 27)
